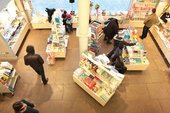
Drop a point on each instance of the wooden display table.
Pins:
(134, 57)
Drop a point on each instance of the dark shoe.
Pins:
(141, 37)
(46, 81)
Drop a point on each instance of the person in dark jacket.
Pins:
(50, 12)
(119, 44)
(111, 29)
(64, 16)
(24, 106)
(119, 65)
(36, 62)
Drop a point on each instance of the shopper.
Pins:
(69, 24)
(64, 16)
(50, 12)
(119, 44)
(24, 106)
(36, 62)
(119, 65)
(111, 29)
(149, 21)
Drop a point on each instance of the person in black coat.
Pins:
(119, 65)
(111, 29)
(36, 62)
(64, 16)
(24, 106)
(119, 44)
(50, 12)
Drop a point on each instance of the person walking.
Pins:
(24, 106)
(148, 22)
(36, 62)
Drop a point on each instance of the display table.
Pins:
(134, 57)
(57, 42)
(98, 81)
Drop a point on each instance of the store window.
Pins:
(112, 5)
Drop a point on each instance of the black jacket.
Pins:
(122, 43)
(112, 28)
(35, 61)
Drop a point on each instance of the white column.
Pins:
(83, 24)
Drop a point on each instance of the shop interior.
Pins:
(80, 76)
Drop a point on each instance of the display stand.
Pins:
(13, 28)
(161, 33)
(58, 41)
(96, 29)
(138, 11)
(162, 41)
(134, 57)
(96, 80)
(8, 78)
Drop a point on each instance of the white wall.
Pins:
(3, 4)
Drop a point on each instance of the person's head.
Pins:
(17, 106)
(154, 10)
(30, 49)
(65, 12)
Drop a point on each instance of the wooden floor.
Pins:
(140, 92)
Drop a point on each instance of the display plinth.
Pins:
(96, 80)
(134, 57)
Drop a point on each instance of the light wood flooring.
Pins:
(141, 92)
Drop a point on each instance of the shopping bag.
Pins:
(50, 59)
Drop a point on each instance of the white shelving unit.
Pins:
(13, 28)
(96, 80)
(138, 11)
(8, 78)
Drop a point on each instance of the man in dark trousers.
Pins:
(50, 13)
(111, 29)
(36, 62)
(148, 22)
(64, 16)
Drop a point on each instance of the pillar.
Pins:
(83, 24)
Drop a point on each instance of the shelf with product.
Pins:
(162, 38)
(138, 11)
(8, 78)
(97, 80)
(57, 41)
(134, 57)
(161, 32)
(13, 28)
(96, 29)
